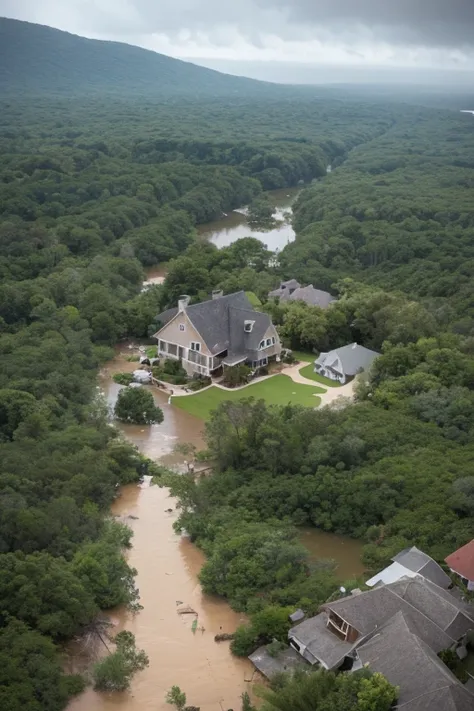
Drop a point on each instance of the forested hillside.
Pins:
(38, 59)
(89, 193)
(399, 214)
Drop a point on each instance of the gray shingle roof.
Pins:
(438, 617)
(448, 698)
(453, 616)
(308, 294)
(407, 662)
(323, 644)
(419, 562)
(312, 296)
(220, 322)
(353, 358)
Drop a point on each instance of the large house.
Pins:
(293, 291)
(343, 363)
(461, 562)
(397, 629)
(223, 331)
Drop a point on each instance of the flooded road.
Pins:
(227, 230)
(168, 566)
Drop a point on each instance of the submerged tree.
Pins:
(115, 672)
(136, 406)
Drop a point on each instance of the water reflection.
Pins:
(234, 226)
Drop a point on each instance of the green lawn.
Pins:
(304, 356)
(277, 390)
(308, 372)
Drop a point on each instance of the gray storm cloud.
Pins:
(432, 23)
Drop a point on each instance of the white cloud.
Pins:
(405, 33)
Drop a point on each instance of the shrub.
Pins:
(245, 641)
(136, 406)
(123, 378)
(236, 375)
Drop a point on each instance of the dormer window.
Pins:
(248, 326)
(262, 345)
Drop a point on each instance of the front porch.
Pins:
(192, 360)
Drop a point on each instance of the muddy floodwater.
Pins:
(346, 552)
(168, 565)
(235, 225)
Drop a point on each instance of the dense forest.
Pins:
(90, 193)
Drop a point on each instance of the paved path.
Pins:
(330, 393)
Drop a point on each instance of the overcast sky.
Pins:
(359, 33)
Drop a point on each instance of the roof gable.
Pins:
(220, 322)
(419, 562)
(353, 358)
(462, 561)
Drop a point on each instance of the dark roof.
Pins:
(220, 322)
(312, 296)
(284, 661)
(167, 315)
(448, 698)
(453, 616)
(308, 294)
(462, 561)
(407, 662)
(353, 358)
(419, 562)
(438, 617)
(322, 644)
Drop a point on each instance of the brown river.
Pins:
(168, 564)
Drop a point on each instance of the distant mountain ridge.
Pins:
(38, 59)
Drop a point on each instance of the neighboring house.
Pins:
(343, 363)
(226, 330)
(293, 291)
(461, 562)
(409, 563)
(397, 629)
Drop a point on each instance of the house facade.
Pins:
(223, 331)
(345, 362)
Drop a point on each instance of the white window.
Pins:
(195, 346)
(269, 342)
(262, 345)
(182, 327)
(273, 340)
(248, 326)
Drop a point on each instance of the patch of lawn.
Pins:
(304, 356)
(151, 351)
(254, 300)
(308, 372)
(277, 390)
